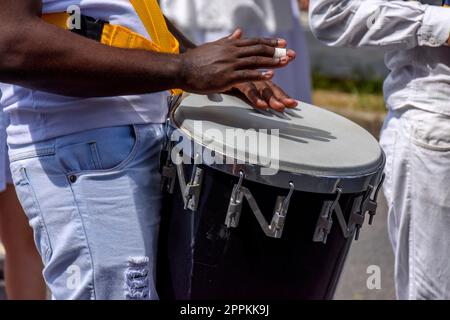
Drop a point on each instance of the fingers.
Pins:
(261, 41)
(265, 95)
(256, 62)
(282, 43)
(269, 96)
(241, 76)
(291, 54)
(253, 95)
(263, 50)
(258, 46)
(282, 96)
(256, 50)
(274, 96)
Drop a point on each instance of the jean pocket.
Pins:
(100, 150)
(28, 200)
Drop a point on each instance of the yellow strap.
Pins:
(57, 19)
(120, 37)
(117, 36)
(154, 22)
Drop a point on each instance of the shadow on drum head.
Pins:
(238, 118)
(215, 97)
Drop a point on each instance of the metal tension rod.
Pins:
(367, 205)
(276, 226)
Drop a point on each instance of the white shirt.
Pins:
(37, 116)
(414, 34)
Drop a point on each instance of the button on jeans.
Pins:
(93, 200)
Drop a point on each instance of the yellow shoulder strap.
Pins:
(154, 22)
(153, 19)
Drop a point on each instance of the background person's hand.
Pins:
(220, 65)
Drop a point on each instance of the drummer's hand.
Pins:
(218, 66)
(266, 95)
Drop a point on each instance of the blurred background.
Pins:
(345, 81)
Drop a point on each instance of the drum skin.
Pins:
(244, 263)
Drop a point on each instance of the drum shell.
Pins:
(208, 261)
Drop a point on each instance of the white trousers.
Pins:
(417, 188)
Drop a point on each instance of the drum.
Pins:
(260, 204)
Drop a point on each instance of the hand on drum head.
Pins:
(220, 65)
(266, 95)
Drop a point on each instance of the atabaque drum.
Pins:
(261, 204)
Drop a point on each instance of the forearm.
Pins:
(40, 56)
(391, 24)
(54, 60)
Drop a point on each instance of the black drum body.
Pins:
(242, 262)
(231, 232)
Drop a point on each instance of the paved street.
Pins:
(372, 249)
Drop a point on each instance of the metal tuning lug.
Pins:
(272, 230)
(235, 205)
(281, 209)
(193, 189)
(168, 169)
(357, 218)
(169, 177)
(325, 221)
(190, 191)
(372, 205)
(368, 205)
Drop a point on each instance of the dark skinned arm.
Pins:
(37, 55)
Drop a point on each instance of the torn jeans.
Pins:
(93, 200)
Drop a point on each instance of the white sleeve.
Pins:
(364, 23)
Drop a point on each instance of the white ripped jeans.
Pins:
(417, 188)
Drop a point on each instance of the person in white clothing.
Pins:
(209, 20)
(416, 133)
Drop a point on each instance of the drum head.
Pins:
(312, 141)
